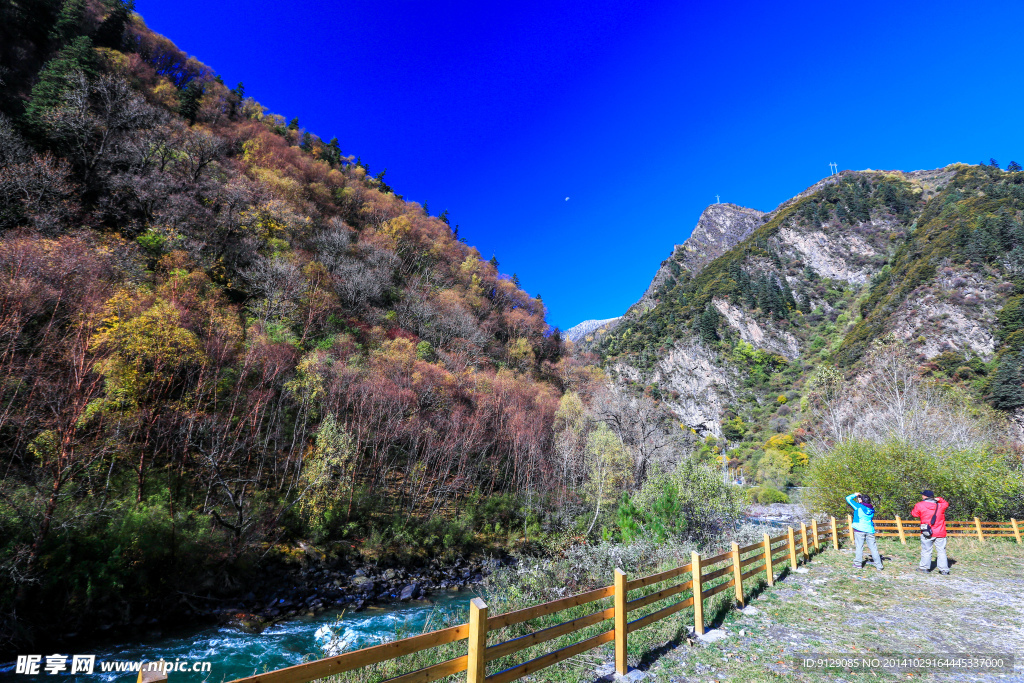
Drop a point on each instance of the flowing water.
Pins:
(233, 653)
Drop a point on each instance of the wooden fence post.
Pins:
(814, 533)
(849, 524)
(477, 660)
(803, 541)
(977, 525)
(792, 548)
(1016, 529)
(147, 675)
(620, 622)
(737, 574)
(899, 526)
(835, 535)
(768, 559)
(698, 594)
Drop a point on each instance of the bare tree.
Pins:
(34, 188)
(199, 149)
(278, 284)
(889, 399)
(94, 116)
(641, 426)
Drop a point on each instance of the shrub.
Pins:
(765, 495)
(769, 495)
(977, 481)
(692, 503)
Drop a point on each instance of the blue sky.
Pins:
(640, 113)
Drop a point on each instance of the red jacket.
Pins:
(924, 511)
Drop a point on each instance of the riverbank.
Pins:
(293, 583)
(321, 584)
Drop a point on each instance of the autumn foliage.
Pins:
(223, 322)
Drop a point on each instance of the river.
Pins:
(233, 653)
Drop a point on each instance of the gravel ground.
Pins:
(834, 610)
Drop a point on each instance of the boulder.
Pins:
(362, 583)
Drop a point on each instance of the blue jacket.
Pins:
(862, 516)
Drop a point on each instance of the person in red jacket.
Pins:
(933, 533)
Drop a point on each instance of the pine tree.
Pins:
(1013, 166)
(983, 246)
(189, 98)
(55, 79)
(111, 32)
(1008, 384)
(805, 303)
(237, 95)
(707, 324)
(69, 22)
(494, 261)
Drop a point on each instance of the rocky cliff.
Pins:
(719, 228)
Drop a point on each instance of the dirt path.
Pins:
(834, 610)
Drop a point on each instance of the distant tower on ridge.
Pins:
(718, 199)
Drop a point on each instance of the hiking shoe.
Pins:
(923, 571)
(945, 573)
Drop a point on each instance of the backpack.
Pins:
(926, 529)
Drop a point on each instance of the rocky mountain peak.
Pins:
(581, 330)
(719, 228)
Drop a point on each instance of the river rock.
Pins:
(410, 592)
(362, 583)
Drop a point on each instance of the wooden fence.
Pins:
(705, 578)
(912, 527)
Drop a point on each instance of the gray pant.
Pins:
(859, 537)
(940, 550)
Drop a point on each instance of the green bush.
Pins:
(977, 482)
(765, 495)
(692, 503)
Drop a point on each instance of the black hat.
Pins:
(928, 493)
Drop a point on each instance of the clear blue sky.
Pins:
(638, 112)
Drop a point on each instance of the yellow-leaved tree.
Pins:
(610, 468)
(325, 474)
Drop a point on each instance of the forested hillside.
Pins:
(219, 332)
(869, 282)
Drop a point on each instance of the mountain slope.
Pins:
(931, 258)
(587, 327)
(219, 333)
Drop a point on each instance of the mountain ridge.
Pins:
(797, 292)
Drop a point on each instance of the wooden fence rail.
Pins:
(704, 578)
(974, 528)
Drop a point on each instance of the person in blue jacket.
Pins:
(863, 528)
